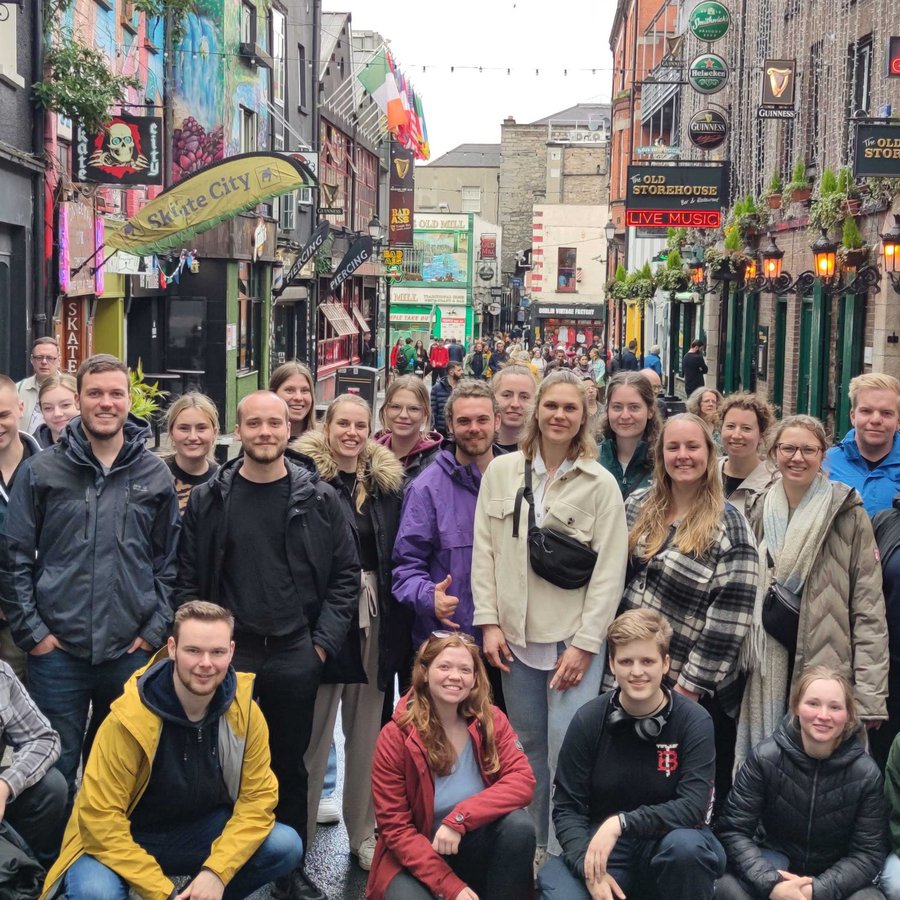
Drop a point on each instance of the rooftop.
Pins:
(470, 156)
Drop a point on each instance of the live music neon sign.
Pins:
(673, 218)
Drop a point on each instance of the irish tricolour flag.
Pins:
(378, 80)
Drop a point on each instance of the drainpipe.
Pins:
(41, 309)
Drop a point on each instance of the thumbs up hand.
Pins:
(444, 603)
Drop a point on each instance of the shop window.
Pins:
(278, 25)
(860, 76)
(566, 270)
(248, 23)
(288, 211)
(186, 321)
(249, 317)
(471, 200)
(248, 130)
(302, 77)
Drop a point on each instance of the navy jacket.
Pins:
(90, 556)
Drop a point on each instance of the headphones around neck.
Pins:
(647, 728)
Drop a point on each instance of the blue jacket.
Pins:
(845, 463)
(435, 540)
(652, 361)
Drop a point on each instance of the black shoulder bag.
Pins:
(555, 557)
(781, 612)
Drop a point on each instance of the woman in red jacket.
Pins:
(449, 780)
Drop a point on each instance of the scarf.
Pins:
(792, 544)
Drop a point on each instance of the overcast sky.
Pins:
(466, 106)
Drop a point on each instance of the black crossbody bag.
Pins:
(555, 557)
(781, 612)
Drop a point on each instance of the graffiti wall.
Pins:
(212, 83)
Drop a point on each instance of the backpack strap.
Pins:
(524, 491)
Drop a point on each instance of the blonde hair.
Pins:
(60, 379)
(639, 625)
(824, 673)
(201, 611)
(420, 712)
(515, 369)
(696, 532)
(362, 460)
(873, 381)
(415, 385)
(193, 400)
(289, 370)
(810, 423)
(582, 445)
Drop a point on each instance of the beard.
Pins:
(265, 453)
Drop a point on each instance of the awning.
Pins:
(363, 324)
(292, 294)
(339, 318)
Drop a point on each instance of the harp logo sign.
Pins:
(778, 89)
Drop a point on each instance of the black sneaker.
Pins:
(296, 886)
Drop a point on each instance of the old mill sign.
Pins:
(709, 21)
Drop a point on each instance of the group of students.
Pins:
(732, 618)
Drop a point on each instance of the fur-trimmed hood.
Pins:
(383, 470)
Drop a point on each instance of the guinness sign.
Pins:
(708, 129)
(778, 89)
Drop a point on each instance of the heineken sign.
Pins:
(708, 73)
(708, 129)
(709, 21)
(675, 196)
(877, 151)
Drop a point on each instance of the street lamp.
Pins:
(697, 271)
(890, 244)
(825, 256)
(610, 231)
(378, 233)
(772, 257)
(375, 229)
(750, 267)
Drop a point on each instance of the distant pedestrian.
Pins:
(694, 367)
(652, 360)
(629, 358)
(455, 351)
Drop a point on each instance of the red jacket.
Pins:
(403, 790)
(438, 357)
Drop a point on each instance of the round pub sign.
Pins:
(708, 129)
(708, 73)
(709, 21)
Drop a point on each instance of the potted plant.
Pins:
(774, 191)
(671, 277)
(729, 263)
(145, 398)
(747, 216)
(853, 251)
(848, 188)
(676, 238)
(799, 187)
(827, 210)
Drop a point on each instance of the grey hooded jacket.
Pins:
(89, 556)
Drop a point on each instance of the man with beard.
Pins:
(514, 388)
(179, 781)
(87, 558)
(433, 549)
(269, 541)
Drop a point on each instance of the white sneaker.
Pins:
(366, 853)
(329, 812)
(540, 857)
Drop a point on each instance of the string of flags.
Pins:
(186, 258)
(395, 96)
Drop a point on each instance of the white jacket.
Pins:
(586, 504)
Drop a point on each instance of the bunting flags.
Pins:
(397, 99)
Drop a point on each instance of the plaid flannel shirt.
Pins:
(708, 601)
(23, 727)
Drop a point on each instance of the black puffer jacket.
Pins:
(826, 815)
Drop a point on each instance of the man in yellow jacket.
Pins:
(179, 781)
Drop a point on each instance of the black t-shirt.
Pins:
(365, 528)
(732, 483)
(184, 481)
(257, 585)
(509, 448)
(874, 464)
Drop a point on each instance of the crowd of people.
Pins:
(578, 647)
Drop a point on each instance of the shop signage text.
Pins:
(316, 239)
(576, 311)
(675, 196)
(126, 150)
(401, 192)
(779, 85)
(360, 250)
(708, 129)
(708, 73)
(489, 246)
(709, 21)
(877, 151)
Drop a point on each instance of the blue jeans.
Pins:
(685, 863)
(330, 782)
(64, 687)
(182, 851)
(889, 880)
(541, 717)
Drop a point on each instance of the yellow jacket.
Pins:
(116, 776)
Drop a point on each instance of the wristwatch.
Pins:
(623, 823)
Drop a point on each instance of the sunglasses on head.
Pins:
(466, 638)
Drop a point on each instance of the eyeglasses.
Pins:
(788, 451)
(396, 408)
(462, 635)
(44, 358)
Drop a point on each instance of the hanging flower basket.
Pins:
(801, 195)
(774, 201)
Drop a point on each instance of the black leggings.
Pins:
(496, 861)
